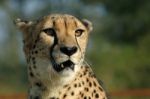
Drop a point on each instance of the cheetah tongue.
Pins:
(67, 63)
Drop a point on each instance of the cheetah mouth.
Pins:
(68, 64)
(64, 65)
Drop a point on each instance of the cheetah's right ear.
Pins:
(23, 25)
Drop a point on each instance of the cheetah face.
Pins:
(60, 39)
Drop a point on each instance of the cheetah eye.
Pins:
(79, 32)
(49, 31)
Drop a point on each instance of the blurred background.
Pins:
(119, 46)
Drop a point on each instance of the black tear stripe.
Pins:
(54, 64)
(52, 48)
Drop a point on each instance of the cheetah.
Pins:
(54, 47)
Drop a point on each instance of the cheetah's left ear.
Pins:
(88, 25)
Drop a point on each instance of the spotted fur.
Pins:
(54, 47)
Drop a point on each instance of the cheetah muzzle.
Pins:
(68, 64)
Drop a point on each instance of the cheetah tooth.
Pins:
(62, 66)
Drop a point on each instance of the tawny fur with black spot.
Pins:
(42, 51)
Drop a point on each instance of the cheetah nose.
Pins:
(68, 50)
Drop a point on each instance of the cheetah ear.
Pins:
(25, 27)
(87, 24)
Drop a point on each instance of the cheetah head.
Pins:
(58, 42)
